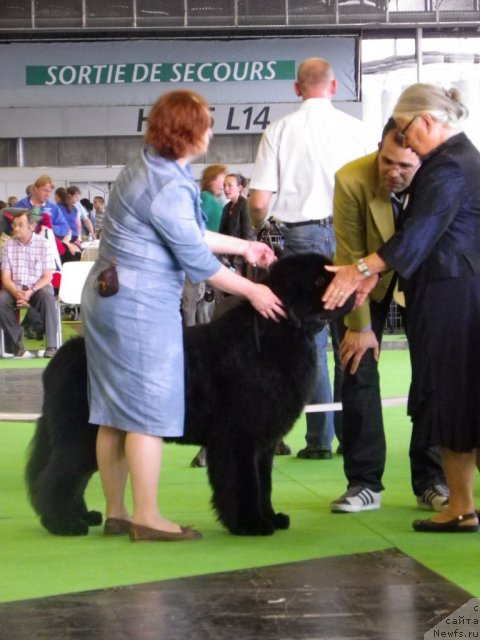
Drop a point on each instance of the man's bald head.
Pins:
(315, 79)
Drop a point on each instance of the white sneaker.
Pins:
(357, 499)
(435, 498)
(25, 354)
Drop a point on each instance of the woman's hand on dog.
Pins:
(266, 302)
(347, 280)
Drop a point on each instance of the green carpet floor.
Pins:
(34, 563)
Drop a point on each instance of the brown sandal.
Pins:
(139, 533)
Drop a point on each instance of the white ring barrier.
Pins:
(337, 406)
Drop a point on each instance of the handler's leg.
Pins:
(144, 456)
(460, 473)
(113, 468)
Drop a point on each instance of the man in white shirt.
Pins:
(296, 163)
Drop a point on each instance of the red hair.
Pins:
(177, 123)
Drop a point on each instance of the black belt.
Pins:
(324, 222)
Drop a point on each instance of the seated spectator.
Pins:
(75, 193)
(98, 213)
(27, 269)
(71, 214)
(12, 200)
(39, 201)
(88, 206)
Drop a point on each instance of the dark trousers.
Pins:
(43, 301)
(363, 439)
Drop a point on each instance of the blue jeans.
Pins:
(320, 426)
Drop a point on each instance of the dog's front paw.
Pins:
(93, 518)
(72, 527)
(257, 528)
(281, 520)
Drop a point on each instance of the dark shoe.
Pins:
(282, 449)
(49, 352)
(116, 527)
(200, 460)
(314, 454)
(139, 533)
(30, 333)
(451, 526)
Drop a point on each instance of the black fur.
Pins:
(247, 381)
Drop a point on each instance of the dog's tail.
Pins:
(38, 455)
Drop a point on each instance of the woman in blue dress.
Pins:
(154, 231)
(436, 253)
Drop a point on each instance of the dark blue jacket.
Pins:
(440, 233)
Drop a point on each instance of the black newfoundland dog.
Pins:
(247, 381)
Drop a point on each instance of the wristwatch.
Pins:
(362, 268)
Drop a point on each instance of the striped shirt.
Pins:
(27, 262)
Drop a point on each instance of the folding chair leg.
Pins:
(59, 325)
(3, 353)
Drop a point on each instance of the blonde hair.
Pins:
(42, 180)
(444, 105)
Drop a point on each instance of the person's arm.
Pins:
(256, 253)
(246, 228)
(258, 206)
(89, 225)
(349, 219)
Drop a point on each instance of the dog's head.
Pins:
(300, 280)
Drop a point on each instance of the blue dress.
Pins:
(153, 227)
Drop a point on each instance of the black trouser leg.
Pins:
(364, 446)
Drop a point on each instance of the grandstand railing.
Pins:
(111, 15)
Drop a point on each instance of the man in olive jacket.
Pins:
(368, 199)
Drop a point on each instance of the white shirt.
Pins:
(299, 155)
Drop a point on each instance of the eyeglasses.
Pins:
(402, 134)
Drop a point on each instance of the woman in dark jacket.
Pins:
(235, 217)
(437, 256)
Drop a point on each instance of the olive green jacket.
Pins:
(363, 221)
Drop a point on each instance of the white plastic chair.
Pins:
(3, 353)
(73, 278)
